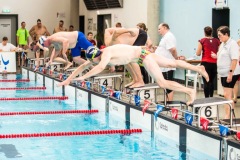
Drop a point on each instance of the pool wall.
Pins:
(188, 139)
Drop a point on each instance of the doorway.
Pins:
(81, 24)
(103, 22)
(8, 27)
(220, 17)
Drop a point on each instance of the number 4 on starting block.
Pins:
(106, 82)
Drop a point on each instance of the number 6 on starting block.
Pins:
(209, 112)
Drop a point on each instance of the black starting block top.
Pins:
(107, 75)
(227, 121)
(173, 103)
(35, 59)
(71, 69)
(55, 63)
(147, 86)
(211, 101)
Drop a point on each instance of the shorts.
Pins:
(168, 76)
(231, 84)
(82, 43)
(143, 54)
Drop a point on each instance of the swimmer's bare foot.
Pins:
(68, 65)
(63, 83)
(36, 69)
(136, 85)
(192, 96)
(203, 72)
(129, 84)
(48, 64)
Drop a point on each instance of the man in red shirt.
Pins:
(90, 38)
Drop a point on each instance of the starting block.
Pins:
(56, 66)
(108, 80)
(70, 71)
(208, 107)
(33, 62)
(147, 92)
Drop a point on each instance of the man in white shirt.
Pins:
(167, 48)
(6, 47)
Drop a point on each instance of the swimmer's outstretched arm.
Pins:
(97, 69)
(41, 47)
(81, 68)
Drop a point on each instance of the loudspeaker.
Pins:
(220, 17)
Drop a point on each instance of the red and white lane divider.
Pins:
(34, 98)
(14, 80)
(80, 133)
(24, 88)
(48, 112)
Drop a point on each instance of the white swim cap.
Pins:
(42, 39)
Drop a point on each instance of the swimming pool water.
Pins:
(100, 147)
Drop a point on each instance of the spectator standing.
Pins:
(118, 25)
(206, 46)
(90, 38)
(148, 45)
(7, 47)
(36, 32)
(60, 27)
(22, 41)
(235, 89)
(167, 48)
(227, 64)
(71, 28)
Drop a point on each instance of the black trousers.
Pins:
(145, 75)
(211, 69)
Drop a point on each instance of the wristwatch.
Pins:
(230, 70)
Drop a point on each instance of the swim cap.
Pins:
(92, 52)
(41, 40)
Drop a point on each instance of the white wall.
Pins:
(46, 10)
(234, 18)
(132, 13)
(187, 18)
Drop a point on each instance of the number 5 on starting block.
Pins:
(147, 94)
(148, 91)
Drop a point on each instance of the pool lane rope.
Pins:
(79, 133)
(34, 98)
(24, 88)
(14, 80)
(48, 112)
